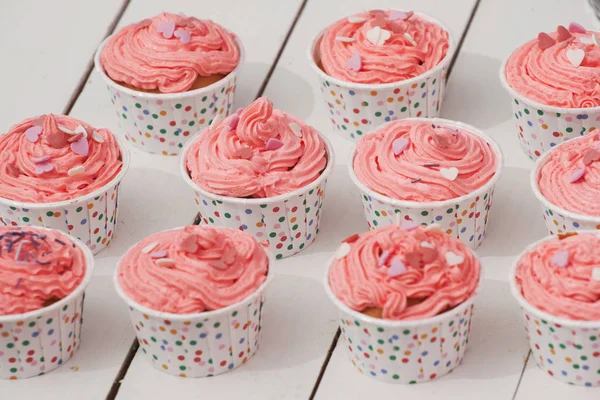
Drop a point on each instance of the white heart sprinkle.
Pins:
(165, 262)
(378, 36)
(427, 244)
(586, 40)
(76, 170)
(355, 20)
(81, 129)
(575, 56)
(342, 251)
(434, 228)
(97, 137)
(149, 248)
(344, 39)
(216, 120)
(596, 274)
(454, 259)
(65, 130)
(296, 129)
(409, 37)
(449, 173)
(595, 40)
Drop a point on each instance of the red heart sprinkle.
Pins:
(428, 254)
(590, 155)
(414, 259)
(190, 243)
(274, 144)
(74, 138)
(351, 238)
(57, 139)
(563, 33)
(379, 21)
(576, 28)
(397, 26)
(545, 41)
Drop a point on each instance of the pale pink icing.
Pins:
(19, 180)
(395, 60)
(360, 282)
(378, 168)
(554, 177)
(228, 266)
(216, 166)
(38, 266)
(548, 77)
(568, 291)
(139, 55)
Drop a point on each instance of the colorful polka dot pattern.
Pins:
(558, 223)
(541, 130)
(465, 220)
(93, 221)
(355, 111)
(38, 344)
(289, 225)
(164, 126)
(408, 354)
(568, 353)
(201, 346)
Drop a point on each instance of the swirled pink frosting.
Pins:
(429, 150)
(215, 161)
(20, 178)
(361, 280)
(211, 268)
(554, 177)
(37, 267)
(569, 291)
(141, 56)
(548, 77)
(395, 60)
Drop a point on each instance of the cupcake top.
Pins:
(256, 152)
(562, 276)
(169, 52)
(53, 158)
(408, 272)
(193, 269)
(382, 47)
(420, 161)
(37, 268)
(570, 176)
(559, 68)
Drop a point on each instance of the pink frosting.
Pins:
(24, 178)
(217, 163)
(395, 60)
(141, 56)
(361, 279)
(568, 291)
(415, 174)
(555, 175)
(37, 267)
(210, 268)
(548, 77)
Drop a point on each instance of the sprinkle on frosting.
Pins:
(560, 259)
(355, 62)
(574, 27)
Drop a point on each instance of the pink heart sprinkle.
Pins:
(38, 160)
(545, 41)
(399, 145)
(396, 268)
(355, 62)
(229, 257)
(75, 138)
(43, 167)
(167, 28)
(590, 155)
(400, 15)
(274, 144)
(190, 243)
(233, 122)
(383, 257)
(33, 133)
(81, 146)
(159, 254)
(183, 35)
(577, 174)
(574, 27)
(409, 225)
(560, 259)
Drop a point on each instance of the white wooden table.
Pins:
(47, 49)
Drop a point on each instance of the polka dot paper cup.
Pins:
(355, 108)
(162, 123)
(201, 344)
(91, 218)
(542, 127)
(289, 222)
(405, 351)
(464, 217)
(40, 341)
(567, 350)
(557, 219)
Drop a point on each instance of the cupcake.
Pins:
(427, 171)
(263, 171)
(556, 281)
(566, 181)
(379, 66)
(554, 84)
(168, 77)
(405, 296)
(195, 296)
(61, 173)
(43, 275)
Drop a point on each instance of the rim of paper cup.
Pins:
(205, 314)
(532, 103)
(432, 204)
(533, 179)
(126, 158)
(168, 96)
(389, 323)
(351, 85)
(89, 260)
(262, 200)
(516, 292)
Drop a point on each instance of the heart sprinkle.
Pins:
(378, 36)
(399, 145)
(414, 259)
(454, 259)
(159, 254)
(590, 155)
(574, 27)
(344, 39)
(39, 121)
(295, 128)
(43, 167)
(81, 129)
(229, 257)
(165, 262)
(66, 130)
(342, 251)
(560, 259)
(576, 175)
(396, 268)
(575, 56)
(428, 254)
(215, 121)
(81, 146)
(383, 258)
(586, 40)
(233, 122)
(13, 171)
(355, 62)
(167, 29)
(97, 137)
(379, 20)
(38, 160)
(351, 239)
(75, 138)
(400, 15)
(244, 152)
(545, 41)
(409, 225)
(427, 245)
(190, 243)
(596, 274)
(353, 19)
(449, 173)
(149, 248)
(441, 140)
(33, 133)
(409, 37)
(563, 33)
(79, 170)
(274, 144)
(183, 35)
(434, 228)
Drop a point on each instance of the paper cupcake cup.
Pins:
(557, 219)
(464, 217)
(40, 341)
(542, 127)
(566, 349)
(162, 123)
(289, 222)
(355, 108)
(91, 218)
(201, 344)
(405, 351)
